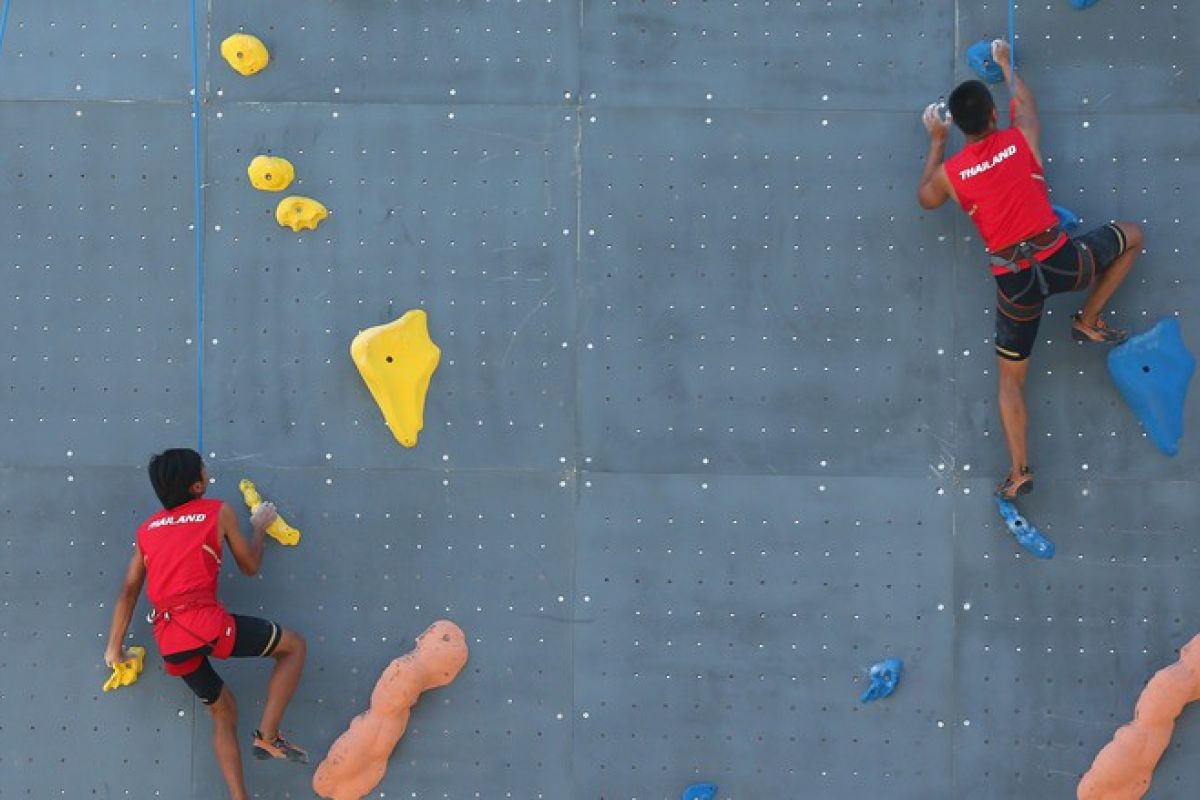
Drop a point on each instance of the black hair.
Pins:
(172, 473)
(971, 106)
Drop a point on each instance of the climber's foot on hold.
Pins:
(1098, 331)
(278, 747)
(1017, 483)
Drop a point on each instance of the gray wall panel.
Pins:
(506, 51)
(866, 56)
(468, 214)
(731, 622)
(747, 274)
(76, 50)
(98, 296)
(714, 428)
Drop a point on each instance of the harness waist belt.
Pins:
(1009, 257)
(184, 601)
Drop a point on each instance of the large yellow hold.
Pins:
(397, 360)
(300, 213)
(270, 173)
(278, 530)
(245, 53)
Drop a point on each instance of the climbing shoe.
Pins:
(278, 747)
(1016, 485)
(1099, 332)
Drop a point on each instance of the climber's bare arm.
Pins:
(131, 589)
(934, 188)
(1025, 116)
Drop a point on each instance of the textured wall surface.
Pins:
(714, 427)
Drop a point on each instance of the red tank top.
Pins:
(1001, 186)
(181, 548)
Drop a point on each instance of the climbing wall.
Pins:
(714, 427)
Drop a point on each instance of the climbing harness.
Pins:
(1026, 252)
(185, 601)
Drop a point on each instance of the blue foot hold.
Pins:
(884, 677)
(979, 59)
(1027, 536)
(1066, 218)
(700, 791)
(1152, 371)
(1082, 4)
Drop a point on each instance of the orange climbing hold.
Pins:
(357, 761)
(1123, 769)
(300, 213)
(397, 361)
(245, 53)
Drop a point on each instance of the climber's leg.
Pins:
(1115, 247)
(225, 745)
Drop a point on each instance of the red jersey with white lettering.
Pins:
(1002, 187)
(181, 548)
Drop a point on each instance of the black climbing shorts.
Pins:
(1019, 296)
(255, 638)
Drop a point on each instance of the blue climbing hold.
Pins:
(1066, 218)
(1152, 371)
(1027, 536)
(979, 59)
(1082, 4)
(884, 677)
(700, 791)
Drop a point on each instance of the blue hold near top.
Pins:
(979, 59)
(884, 677)
(1152, 371)
(700, 791)
(1082, 4)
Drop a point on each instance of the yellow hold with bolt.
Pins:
(245, 53)
(278, 530)
(300, 213)
(270, 173)
(396, 362)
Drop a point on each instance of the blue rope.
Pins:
(1012, 30)
(3, 23)
(199, 225)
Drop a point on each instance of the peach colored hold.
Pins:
(357, 761)
(1123, 769)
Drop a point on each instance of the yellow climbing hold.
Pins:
(300, 213)
(126, 672)
(245, 53)
(278, 530)
(397, 360)
(270, 173)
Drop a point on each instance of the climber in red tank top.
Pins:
(999, 181)
(177, 557)
(181, 548)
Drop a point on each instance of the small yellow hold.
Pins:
(397, 360)
(278, 530)
(245, 53)
(300, 213)
(126, 672)
(270, 173)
